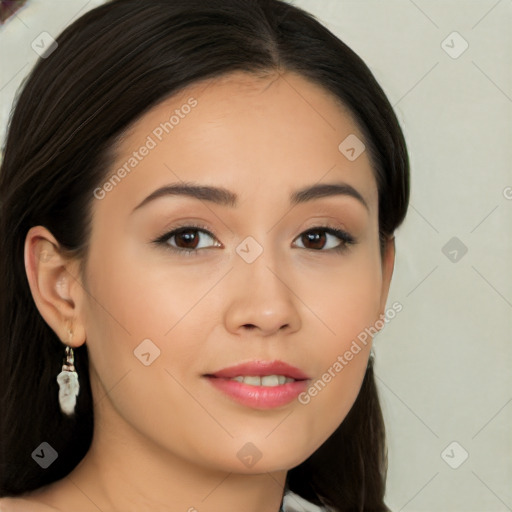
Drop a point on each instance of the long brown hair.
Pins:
(110, 66)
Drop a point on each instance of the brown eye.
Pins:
(188, 240)
(315, 238)
(324, 238)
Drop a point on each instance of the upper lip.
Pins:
(261, 369)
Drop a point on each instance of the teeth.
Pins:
(252, 381)
(270, 380)
(267, 380)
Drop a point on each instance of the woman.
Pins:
(198, 206)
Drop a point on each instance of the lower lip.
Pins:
(260, 397)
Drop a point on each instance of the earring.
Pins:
(68, 382)
(371, 358)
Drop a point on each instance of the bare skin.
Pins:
(164, 438)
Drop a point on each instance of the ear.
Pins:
(388, 264)
(55, 284)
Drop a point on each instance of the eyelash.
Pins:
(346, 239)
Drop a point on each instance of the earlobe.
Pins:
(55, 288)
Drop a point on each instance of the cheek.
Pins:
(345, 299)
(138, 297)
(347, 302)
(133, 302)
(139, 307)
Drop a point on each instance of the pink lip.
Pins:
(260, 397)
(260, 369)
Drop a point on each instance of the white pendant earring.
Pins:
(68, 383)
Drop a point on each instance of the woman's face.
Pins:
(256, 277)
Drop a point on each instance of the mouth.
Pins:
(269, 381)
(260, 384)
(261, 373)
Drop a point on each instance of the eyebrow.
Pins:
(225, 197)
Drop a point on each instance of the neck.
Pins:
(171, 484)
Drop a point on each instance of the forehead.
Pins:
(242, 130)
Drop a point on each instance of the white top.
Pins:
(294, 503)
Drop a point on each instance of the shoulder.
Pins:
(24, 505)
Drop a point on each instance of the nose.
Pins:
(260, 299)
